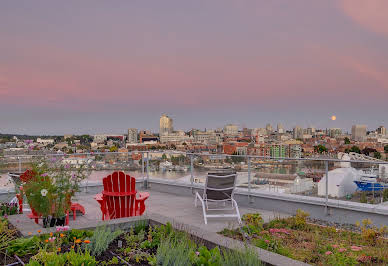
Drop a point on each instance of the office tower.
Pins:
(165, 124)
(381, 130)
(280, 129)
(269, 128)
(358, 132)
(334, 132)
(132, 135)
(231, 129)
(297, 132)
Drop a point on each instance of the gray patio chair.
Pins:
(219, 188)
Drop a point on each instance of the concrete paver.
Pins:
(179, 208)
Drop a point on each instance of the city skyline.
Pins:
(104, 67)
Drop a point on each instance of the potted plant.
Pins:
(50, 188)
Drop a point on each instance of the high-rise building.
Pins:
(280, 128)
(358, 132)
(269, 128)
(295, 151)
(279, 150)
(381, 130)
(334, 132)
(165, 124)
(310, 131)
(231, 129)
(297, 132)
(132, 135)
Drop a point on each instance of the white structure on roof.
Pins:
(340, 182)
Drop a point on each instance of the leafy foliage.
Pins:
(6, 235)
(47, 259)
(51, 187)
(8, 208)
(24, 246)
(174, 253)
(246, 257)
(70, 258)
(101, 239)
(371, 233)
(206, 257)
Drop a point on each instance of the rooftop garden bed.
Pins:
(142, 244)
(297, 238)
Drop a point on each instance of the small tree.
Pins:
(113, 149)
(377, 155)
(386, 148)
(347, 140)
(355, 149)
(320, 148)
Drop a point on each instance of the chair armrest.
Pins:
(142, 196)
(139, 202)
(99, 197)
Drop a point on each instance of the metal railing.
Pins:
(22, 160)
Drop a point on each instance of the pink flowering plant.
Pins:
(51, 186)
(300, 238)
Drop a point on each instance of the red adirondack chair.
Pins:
(118, 199)
(25, 177)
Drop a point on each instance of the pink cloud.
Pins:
(371, 14)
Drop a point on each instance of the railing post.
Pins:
(142, 169)
(191, 172)
(249, 180)
(327, 188)
(20, 164)
(148, 170)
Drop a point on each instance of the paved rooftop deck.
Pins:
(179, 209)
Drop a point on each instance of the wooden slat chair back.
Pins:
(120, 195)
(120, 198)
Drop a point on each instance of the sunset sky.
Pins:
(104, 66)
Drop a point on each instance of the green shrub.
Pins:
(272, 245)
(300, 219)
(363, 198)
(6, 235)
(70, 258)
(385, 195)
(205, 257)
(253, 223)
(174, 253)
(47, 259)
(253, 219)
(8, 208)
(24, 246)
(78, 234)
(101, 239)
(80, 259)
(245, 257)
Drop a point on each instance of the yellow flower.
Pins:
(51, 234)
(87, 241)
(72, 246)
(61, 235)
(78, 241)
(46, 241)
(59, 249)
(29, 233)
(39, 231)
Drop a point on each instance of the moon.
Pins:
(333, 118)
